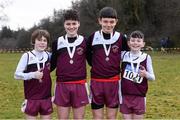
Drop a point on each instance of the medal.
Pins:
(107, 59)
(134, 70)
(71, 53)
(71, 61)
(40, 80)
(106, 50)
(38, 65)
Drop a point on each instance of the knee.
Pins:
(78, 117)
(111, 116)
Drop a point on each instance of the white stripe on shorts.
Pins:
(120, 92)
(87, 90)
(23, 106)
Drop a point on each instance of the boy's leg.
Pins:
(79, 100)
(97, 104)
(62, 100)
(63, 112)
(112, 99)
(46, 109)
(127, 116)
(98, 113)
(78, 113)
(111, 113)
(138, 117)
(45, 117)
(30, 108)
(29, 117)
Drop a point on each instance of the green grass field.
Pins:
(163, 98)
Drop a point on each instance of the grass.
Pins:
(163, 98)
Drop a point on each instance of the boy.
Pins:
(103, 50)
(69, 59)
(136, 71)
(34, 69)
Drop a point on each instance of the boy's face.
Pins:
(71, 27)
(107, 24)
(135, 44)
(40, 44)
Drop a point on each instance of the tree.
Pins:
(3, 4)
(6, 32)
(23, 39)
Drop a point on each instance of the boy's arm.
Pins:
(150, 73)
(89, 50)
(125, 46)
(19, 73)
(53, 60)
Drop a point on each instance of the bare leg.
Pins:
(63, 112)
(46, 117)
(111, 113)
(138, 117)
(28, 117)
(78, 113)
(98, 113)
(127, 116)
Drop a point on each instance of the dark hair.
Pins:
(37, 34)
(108, 12)
(71, 15)
(137, 34)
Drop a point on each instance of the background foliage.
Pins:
(156, 18)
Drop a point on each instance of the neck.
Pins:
(37, 51)
(71, 35)
(135, 52)
(107, 32)
(106, 35)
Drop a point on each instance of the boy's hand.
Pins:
(38, 75)
(142, 71)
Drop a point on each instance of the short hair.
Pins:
(37, 34)
(108, 12)
(71, 15)
(137, 34)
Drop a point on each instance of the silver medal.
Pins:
(71, 61)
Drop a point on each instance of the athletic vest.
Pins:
(71, 69)
(104, 66)
(34, 89)
(131, 82)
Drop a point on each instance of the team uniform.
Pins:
(103, 56)
(37, 92)
(69, 59)
(134, 87)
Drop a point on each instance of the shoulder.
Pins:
(92, 35)
(145, 56)
(26, 54)
(24, 57)
(148, 56)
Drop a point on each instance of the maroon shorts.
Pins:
(71, 95)
(105, 93)
(33, 107)
(133, 105)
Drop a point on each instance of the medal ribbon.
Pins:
(106, 50)
(71, 53)
(38, 63)
(132, 66)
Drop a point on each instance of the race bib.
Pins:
(132, 76)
